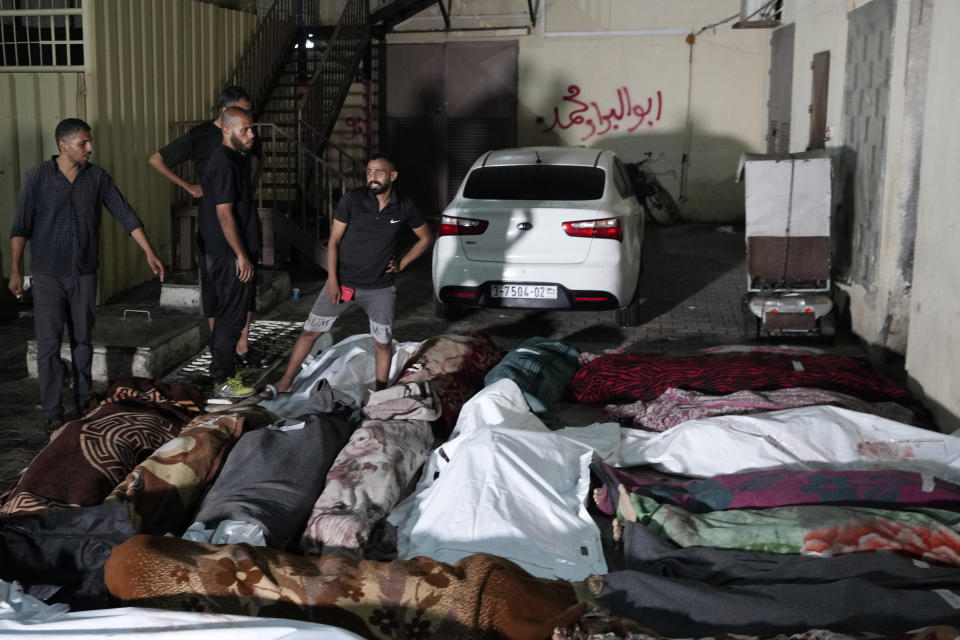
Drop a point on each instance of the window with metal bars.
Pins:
(41, 35)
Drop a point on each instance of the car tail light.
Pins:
(609, 228)
(454, 226)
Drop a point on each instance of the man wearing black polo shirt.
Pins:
(197, 145)
(361, 267)
(230, 229)
(58, 210)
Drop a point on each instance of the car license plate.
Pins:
(532, 291)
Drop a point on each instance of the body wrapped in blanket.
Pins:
(482, 596)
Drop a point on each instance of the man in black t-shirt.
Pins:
(361, 267)
(196, 145)
(230, 229)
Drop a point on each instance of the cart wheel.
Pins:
(751, 325)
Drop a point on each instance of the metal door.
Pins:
(818, 100)
(446, 104)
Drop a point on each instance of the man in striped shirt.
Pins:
(58, 211)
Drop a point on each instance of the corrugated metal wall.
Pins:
(147, 64)
(31, 105)
(150, 63)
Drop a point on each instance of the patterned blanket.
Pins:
(630, 376)
(163, 490)
(775, 488)
(480, 597)
(86, 458)
(455, 365)
(678, 405)
(370, 474)
(825, 530)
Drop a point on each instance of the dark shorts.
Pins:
(377, 303)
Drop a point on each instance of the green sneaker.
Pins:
(232, 388)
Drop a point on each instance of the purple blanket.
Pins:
(678, 405)
(776, 488)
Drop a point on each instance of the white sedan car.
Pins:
(541, 228)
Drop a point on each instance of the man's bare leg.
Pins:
(301, 349)
(242, 344)
(383, 353)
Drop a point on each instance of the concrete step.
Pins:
(181, 291)
(134, 342)
(148, 340)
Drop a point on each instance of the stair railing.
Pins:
(320, 105)
(267, 51)
(320, 182)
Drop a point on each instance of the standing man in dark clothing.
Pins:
(361, 267)
(230, 229)
(58, 210)
(197, 145)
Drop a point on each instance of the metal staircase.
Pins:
(298, 79)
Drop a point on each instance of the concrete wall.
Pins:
(821, 25)
(585, 64)
(875, 103)
(933, 348)
(146, 64)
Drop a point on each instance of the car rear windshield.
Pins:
(535, 182)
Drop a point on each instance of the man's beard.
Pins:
(380, 188)
(238, 146)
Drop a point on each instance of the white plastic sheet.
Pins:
(515, 494)
(145, 624)
(227, 532)
(814, 437)
(500, 404)
(509, 487)
(348, 366)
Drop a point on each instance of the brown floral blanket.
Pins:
(482, 596)
(162, 491)
(86, 458)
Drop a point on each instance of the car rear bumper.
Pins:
(574, 300)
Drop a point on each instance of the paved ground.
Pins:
(693, 282)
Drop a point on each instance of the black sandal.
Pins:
(270, 392)
(252, 358)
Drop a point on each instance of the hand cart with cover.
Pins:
(788, 206)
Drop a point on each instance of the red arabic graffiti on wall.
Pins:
(357, 127)
(590, 117)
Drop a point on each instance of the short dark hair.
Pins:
(69, 127)
(230, 96)
(377, 155)
(232, 115)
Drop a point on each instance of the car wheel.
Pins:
(828, 327)
(751, 323)
(629, 316)
(445, 310)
